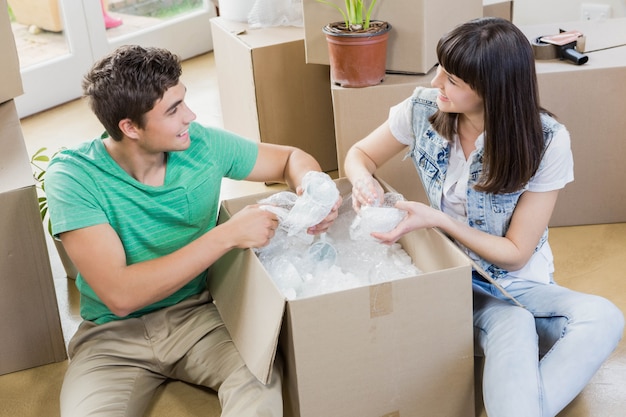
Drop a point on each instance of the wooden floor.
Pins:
(588, 258)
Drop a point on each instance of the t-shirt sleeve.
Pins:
(557, 165)
(71, 202)
(235, 154)
(400, 118)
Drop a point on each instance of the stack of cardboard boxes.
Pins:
(30, 328)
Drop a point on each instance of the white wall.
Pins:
(529, 12)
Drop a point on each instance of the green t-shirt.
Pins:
(86, 187)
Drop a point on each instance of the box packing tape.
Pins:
(543, 50)
(381, 299)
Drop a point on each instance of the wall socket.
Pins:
(595, 11)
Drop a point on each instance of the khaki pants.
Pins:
(116, 367)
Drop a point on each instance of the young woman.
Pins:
(492, 162)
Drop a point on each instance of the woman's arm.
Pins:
(510, 252)
(364, 158)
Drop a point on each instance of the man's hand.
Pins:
(252, 227)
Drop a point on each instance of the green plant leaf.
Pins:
(356, 14)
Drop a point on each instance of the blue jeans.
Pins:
(537, 359)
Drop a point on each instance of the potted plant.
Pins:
(39, 161)
(357, 45)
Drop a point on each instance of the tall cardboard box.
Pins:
(400, 348)
(417, 27)
(30, 327)
(267, 91)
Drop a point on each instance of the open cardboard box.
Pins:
(401, 348)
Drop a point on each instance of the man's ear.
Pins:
(128, 128)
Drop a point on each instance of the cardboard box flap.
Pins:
(254, 323)
(254, 38)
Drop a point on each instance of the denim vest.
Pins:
(430, 153)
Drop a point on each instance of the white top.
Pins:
(555, 171)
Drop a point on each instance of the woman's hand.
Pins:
(419, 216)
(367, 191)
(252, 227)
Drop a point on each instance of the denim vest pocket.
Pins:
(430, 174)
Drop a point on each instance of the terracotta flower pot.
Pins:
(357, 58)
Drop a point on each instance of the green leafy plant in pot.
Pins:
(357, 45)
(39, 162)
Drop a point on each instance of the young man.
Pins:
(136, 211)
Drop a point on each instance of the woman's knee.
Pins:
(506, 328)
(601, 315)
(613, 318)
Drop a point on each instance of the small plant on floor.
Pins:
(39, 162)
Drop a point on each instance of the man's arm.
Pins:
(287, 164)
(99, 256)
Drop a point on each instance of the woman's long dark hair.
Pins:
(496, 60)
